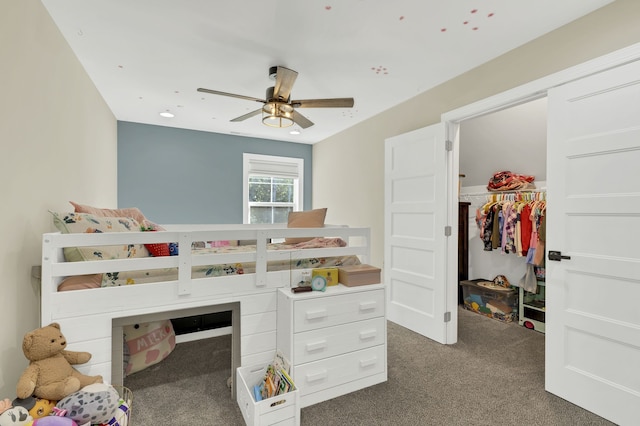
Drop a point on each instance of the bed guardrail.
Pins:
(54, 267)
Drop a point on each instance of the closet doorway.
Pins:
(513, 139)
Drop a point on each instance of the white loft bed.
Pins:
(92, 319)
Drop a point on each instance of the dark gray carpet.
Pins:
(494, 375)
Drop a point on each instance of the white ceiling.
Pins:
(150, 56)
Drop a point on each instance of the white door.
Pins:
(415, 244)
(593, 309)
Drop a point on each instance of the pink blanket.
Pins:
(320, 242)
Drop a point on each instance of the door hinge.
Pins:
(447, 231)
(447, 317)
(448, 145)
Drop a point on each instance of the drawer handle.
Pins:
(364, 363)
(317, 376)
(316, 314)
(316, 346)
(366, 335)
(281, 401)
(368, 306)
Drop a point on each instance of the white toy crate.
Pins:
(279, 410)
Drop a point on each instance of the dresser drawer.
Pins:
(311, 314)
(334, 371)
(331, 341)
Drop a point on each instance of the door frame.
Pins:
(519, 95)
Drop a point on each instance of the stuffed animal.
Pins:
(42, 408)
(54, 421)
(15, 416)
(95, 404)
(37, 407)
(5, 404)
(50, 374)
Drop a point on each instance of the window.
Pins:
(272, 188)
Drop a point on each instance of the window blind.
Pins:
(261, 167)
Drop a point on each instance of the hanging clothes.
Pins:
(508, 238)
(496, 232)
(538, 258)
(535, 257)
(488, 229)
(511, 225)
(525, 229)
(516, 223)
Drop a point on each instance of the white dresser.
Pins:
(335, 340)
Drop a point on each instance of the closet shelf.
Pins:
(465, 196)
(533, 305)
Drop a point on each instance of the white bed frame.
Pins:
(92, 319)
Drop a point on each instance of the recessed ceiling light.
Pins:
(295, 132)
(166, 114)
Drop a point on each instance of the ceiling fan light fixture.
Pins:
(277, 114)
(278, 108)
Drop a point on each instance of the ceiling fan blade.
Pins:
(324, 103)
(301, 120)
(216, 92)
(247, 115)
(284, 82)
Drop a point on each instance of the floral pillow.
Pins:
(133, 212)
(74, 223)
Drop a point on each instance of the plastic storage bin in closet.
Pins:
(493, 301)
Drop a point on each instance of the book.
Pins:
(276, 381)
(257, 393)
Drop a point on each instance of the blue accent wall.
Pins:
(188, 176)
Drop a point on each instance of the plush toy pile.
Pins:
(51, 392)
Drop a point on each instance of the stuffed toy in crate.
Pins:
(54, 421)
(97, 403)
(50, 374)
(15, 416)
(37, 407)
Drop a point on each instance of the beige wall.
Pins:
(57, 143)
(349, 167)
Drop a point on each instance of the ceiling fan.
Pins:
(278, 109)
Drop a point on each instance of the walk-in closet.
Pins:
(514, 140)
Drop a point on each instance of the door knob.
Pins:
(557, 256)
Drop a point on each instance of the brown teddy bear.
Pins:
(50, 374)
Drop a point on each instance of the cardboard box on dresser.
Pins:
(355, 275)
